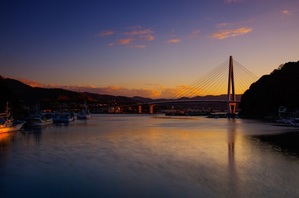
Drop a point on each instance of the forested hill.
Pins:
(280, 88)
(18, 93)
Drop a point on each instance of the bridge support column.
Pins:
(151, 109)
(231, 96)
(139, 109)
(232, 108)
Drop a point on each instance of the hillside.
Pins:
(20, 94)
(280, 88)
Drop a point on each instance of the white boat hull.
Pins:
(36, 123)
(16, 127)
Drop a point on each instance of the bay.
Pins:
(151, 156)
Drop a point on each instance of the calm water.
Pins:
(151, 156)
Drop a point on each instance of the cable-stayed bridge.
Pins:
(230, 79)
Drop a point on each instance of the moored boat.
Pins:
(66, 118)
(56, 117)
(39, 120)
(7, 123)
(294, 121)
(63, 117)
(15, 127)
(84, 113)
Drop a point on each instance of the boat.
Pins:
(37, 120)
(84, 113)
(66, 118)
(8, 124)
(294, 121)
(56, 117)
(288, 121)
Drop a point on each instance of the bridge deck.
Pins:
(186, 101)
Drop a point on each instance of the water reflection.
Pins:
(35, 132)
(285, 143)
(135, 156)
(231, 138)
(5, 141)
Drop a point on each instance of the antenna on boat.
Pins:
(7, 109)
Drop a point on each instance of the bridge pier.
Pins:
(232, 108)
(151, 108)
(139, 109)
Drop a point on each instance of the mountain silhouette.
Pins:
(19, 95)
(280, 88)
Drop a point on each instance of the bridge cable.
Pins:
(202, 82)
(216, 81)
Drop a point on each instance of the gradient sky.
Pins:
(142, 47)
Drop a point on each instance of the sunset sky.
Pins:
(142, 47)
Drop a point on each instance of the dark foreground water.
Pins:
(151, 156)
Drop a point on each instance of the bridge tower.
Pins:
(231, 96)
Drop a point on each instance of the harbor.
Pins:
(117, 155)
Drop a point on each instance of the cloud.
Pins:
(125, 41)
(121, 91)
(232, 1)
(221, 25)
(148, 37)
(174, 40)
(30, 82)
(155, 90)
(105, 33)
(194, 34)
(286, 12)
(222, 34)
(135, 37)
(138, 32)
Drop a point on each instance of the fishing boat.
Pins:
(294, 121)
(56, 117)
(84, 113)
(7, 123)
(37, 120)
(66, 118)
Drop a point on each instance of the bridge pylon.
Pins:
(231, 96)
(139, 108)
(151, 108)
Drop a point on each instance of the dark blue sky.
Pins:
(149, 46)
